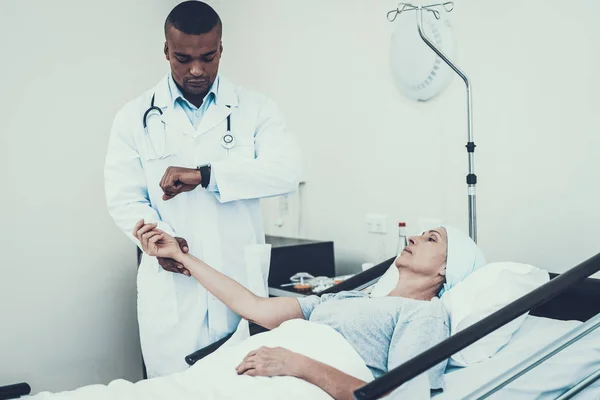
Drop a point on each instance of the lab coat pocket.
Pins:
(155, 143)
(154, 170)
(258, 260)
(156, 167)
(242, 151)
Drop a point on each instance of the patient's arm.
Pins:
(279, 361)
(267, 312)
(336, 383)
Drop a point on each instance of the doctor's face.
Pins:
(194, 59)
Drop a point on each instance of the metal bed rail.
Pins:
(536, 359)
(581, 386)
(442, 351)
(14, 391)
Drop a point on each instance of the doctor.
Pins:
(195, 154)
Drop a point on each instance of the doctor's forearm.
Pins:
(254, 179)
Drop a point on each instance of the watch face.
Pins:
(418, 72)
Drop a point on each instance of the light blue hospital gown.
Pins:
(385, 332)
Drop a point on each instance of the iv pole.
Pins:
(471, 177)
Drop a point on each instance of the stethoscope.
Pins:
(227, 141)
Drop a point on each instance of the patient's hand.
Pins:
(156, 242)
(267, 361)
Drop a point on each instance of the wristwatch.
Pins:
(204, 174)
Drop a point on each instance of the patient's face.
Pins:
(426, 254)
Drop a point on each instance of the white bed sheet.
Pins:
(214, 377)
(548, 380)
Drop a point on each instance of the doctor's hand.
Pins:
(177, 180)
(156, 242)
(168, 264)
(267, 361)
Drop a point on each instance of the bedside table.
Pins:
(290, 256)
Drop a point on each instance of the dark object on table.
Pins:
(290, 256)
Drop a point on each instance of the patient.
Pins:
(384, 331)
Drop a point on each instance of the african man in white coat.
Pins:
(195, 154)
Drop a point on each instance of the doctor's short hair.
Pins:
(193, 18)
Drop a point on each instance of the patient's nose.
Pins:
(412, 240)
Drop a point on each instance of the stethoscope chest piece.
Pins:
(228, 141)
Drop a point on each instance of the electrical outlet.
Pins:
(376, 223)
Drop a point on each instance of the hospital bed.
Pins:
(569, 304)
(562, 313)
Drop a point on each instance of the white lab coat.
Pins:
(176, 314)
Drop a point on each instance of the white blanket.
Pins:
(214, 377)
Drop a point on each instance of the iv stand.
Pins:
(471, 177)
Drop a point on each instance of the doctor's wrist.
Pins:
(197, 177)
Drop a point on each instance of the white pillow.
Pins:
(387, 282)
(482, 293)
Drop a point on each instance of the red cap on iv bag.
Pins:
(402, 238)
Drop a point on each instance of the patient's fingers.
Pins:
(144, 229)
(156, 237)
(146, 238)
(245, 366)
(247, 362)
(137, 227)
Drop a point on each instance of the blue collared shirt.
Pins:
(194, 113)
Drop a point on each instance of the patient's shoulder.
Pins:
(418, 309)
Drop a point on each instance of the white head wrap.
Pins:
(462, 259)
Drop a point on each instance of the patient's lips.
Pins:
(406, 249)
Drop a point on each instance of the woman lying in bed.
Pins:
(385, 331)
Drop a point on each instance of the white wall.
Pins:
(67, 283)
(535, 92)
